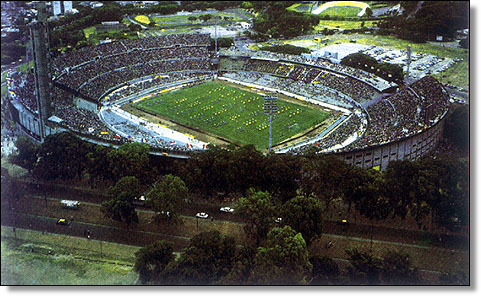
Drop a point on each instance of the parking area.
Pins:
(421, 64)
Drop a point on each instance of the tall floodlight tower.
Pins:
(39, 38)
(215, 34)
(408, 63)
(270, 108)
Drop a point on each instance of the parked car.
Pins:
(202, 215)
(227, 210)
(62, 221)
(279, 220)
(343, 222)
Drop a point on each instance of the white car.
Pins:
(279, 220)
(202, 215)
(227, 209)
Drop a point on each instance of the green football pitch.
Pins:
(232, 113)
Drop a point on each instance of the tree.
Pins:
(242, 267)
(456, 129)
(246, 5)
(397, 270)
(319, 176)
(401, 177)
(134, 27)
(120, 210)
(26, 156)
(371, 199)
(365, 268)
(127, 188)
(11, 189)
(62, 155)
(151, 261)
(324, 271)
(120, 207)
(205, 17)
(130, 159)
(247, 168)
(304, 215)
(259, 211)
(278, 177)
(283, 261)
(166, 197)
(208, 257)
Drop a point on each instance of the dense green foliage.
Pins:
(166, 197)
(152, 260)
(456, 130)
(259, 212)
(304, 215)
(284, 260)
(276, 21)
(418, 189)
(208, 258)
(120, 207)
(388, 71)
(433, 18)
(287, 49)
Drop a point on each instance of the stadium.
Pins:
(174, 94)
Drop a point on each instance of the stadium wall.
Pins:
(409, 148)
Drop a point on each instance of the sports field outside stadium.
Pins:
(232, 113)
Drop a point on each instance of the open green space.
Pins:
(25, 67)
(341, 11)
(34, 258)
(232, 113)
(143, 19)
(184, 19)
(301, 7)
(4, 91)
(335, 24)
(89, 31)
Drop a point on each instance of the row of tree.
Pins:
(388, 71)
(283, 259)
(432, 187)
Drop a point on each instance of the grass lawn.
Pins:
(24, 67)
(300, 7)
(232, 113)
(344, 11)
(143, 19)
(184, 19)
(4, 76)
(89, 31)
(50, 259)
(4, 91)
(333, 24)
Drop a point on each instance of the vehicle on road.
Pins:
(70, 204)
(227, 210)
(343, 222)
(202, 215)
(62, 221)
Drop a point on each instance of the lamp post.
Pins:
(270, 108)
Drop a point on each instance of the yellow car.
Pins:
(62, 221)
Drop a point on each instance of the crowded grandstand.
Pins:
(371, 110)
